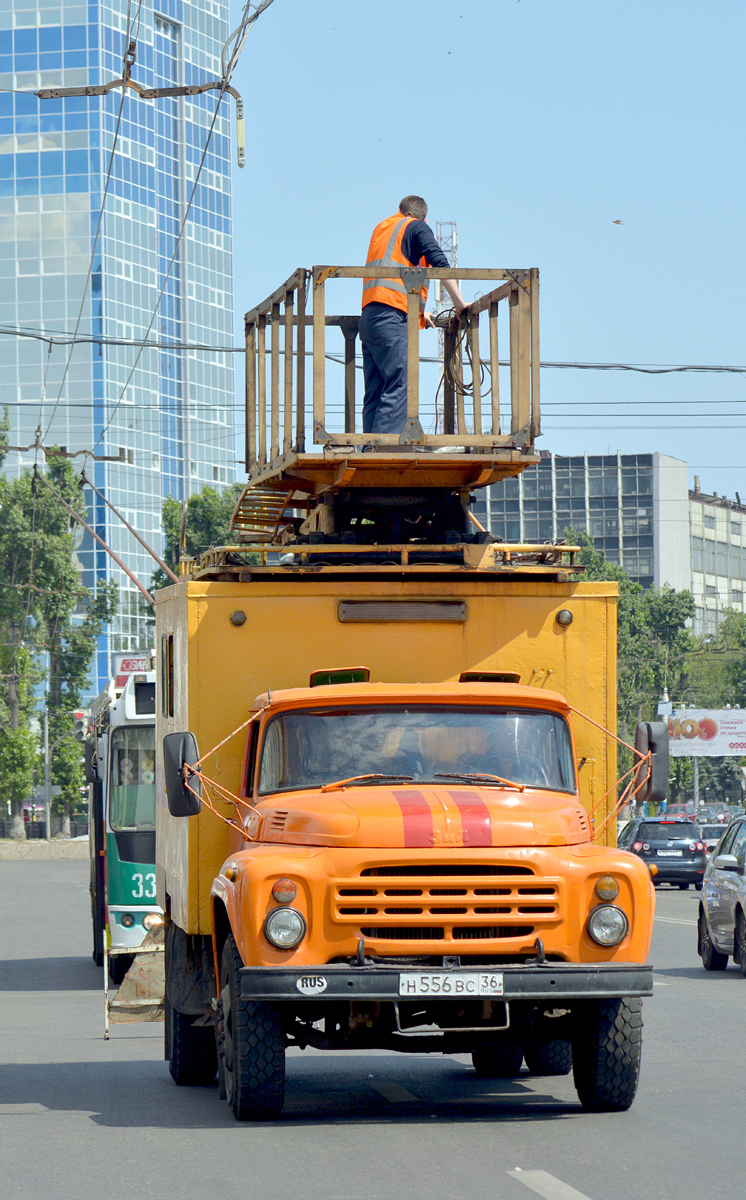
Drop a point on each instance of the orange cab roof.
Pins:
(422, 693)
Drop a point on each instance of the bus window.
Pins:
(132, 796)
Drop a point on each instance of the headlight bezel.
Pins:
(597, 914)
(282, 911)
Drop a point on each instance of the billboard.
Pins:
(712, 733)
(135, 663)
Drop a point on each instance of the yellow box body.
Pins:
(292, 628)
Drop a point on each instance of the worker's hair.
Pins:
(413, 206)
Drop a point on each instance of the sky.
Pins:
(536, 125)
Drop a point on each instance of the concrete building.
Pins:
(167, 430)
(639, 510)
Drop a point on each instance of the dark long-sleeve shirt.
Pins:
(419, 242)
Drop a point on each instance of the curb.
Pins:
(58, 848)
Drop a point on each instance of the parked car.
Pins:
(672, 845)
(711, 835)
(682, 811)
(721, 924)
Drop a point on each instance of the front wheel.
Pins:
(252, 1047)
(606, 1051)
(740, 946)
(712, 959)
(498, 1062)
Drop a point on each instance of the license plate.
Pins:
(447, 983)
(670, 853)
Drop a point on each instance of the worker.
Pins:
(402, 240)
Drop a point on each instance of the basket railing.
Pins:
(277, 349)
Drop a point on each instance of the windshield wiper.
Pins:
(479, 775)
(343, 783)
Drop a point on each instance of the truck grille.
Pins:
(448, 901)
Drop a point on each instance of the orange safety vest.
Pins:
(385, 251)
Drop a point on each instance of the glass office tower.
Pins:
(166, 429)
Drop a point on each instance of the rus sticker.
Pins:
(311, 985)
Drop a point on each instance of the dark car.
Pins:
(673, 846)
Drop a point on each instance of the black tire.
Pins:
(740, 943)
(252, 1047)
(190, 1049)
(712, 959)
(97, 953)
(606, 1052)
(698, 887)
(684, 887)
(552, 1057)
(119, 965)
(498, 1062)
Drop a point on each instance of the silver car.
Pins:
(721, 926)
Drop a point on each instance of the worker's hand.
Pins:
(429, 322)
(460, 307)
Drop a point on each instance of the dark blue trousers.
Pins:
(383, 335)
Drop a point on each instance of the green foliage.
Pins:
(44, 610)
(208, 524)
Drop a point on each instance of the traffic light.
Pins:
(80, 725)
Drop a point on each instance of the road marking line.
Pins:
(677, 921)
(394, 1092)
(547, 1186)
(22, 1110)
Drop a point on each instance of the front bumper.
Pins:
(547, 981)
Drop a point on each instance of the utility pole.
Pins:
(47, 778)
(446, 234)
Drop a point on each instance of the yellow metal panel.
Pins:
(292, 628)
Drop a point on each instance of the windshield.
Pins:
(669, 830)
(313, 747)
(132, 796)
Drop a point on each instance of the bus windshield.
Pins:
(433, 744)
(132, 798)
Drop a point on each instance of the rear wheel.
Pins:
(191, 1051)
(740, 946)
(684, 887)
(606, 1054)
(712, 959)
(549, 1058)
(498, 1062)
(252, 1047)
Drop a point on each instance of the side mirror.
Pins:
(180, 750)
(726, 862)
(652, 736)
(91, 774)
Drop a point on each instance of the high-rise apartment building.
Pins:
(639, 510)
(165, 429)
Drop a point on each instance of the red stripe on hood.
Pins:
(417, 818)
(475, 818)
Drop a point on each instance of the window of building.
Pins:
(709, 521)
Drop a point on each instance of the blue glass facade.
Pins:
(171, 427)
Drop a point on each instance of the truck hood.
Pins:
(424, 816)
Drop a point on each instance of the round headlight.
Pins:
(607, 925)
(607, 888)
(151, 920)
(127, 920)
(284, 891)
(285, 928)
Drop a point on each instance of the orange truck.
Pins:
(386, 797)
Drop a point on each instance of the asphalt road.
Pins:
(81, 1117)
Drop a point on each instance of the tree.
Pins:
(44, 610)
(208, 523)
